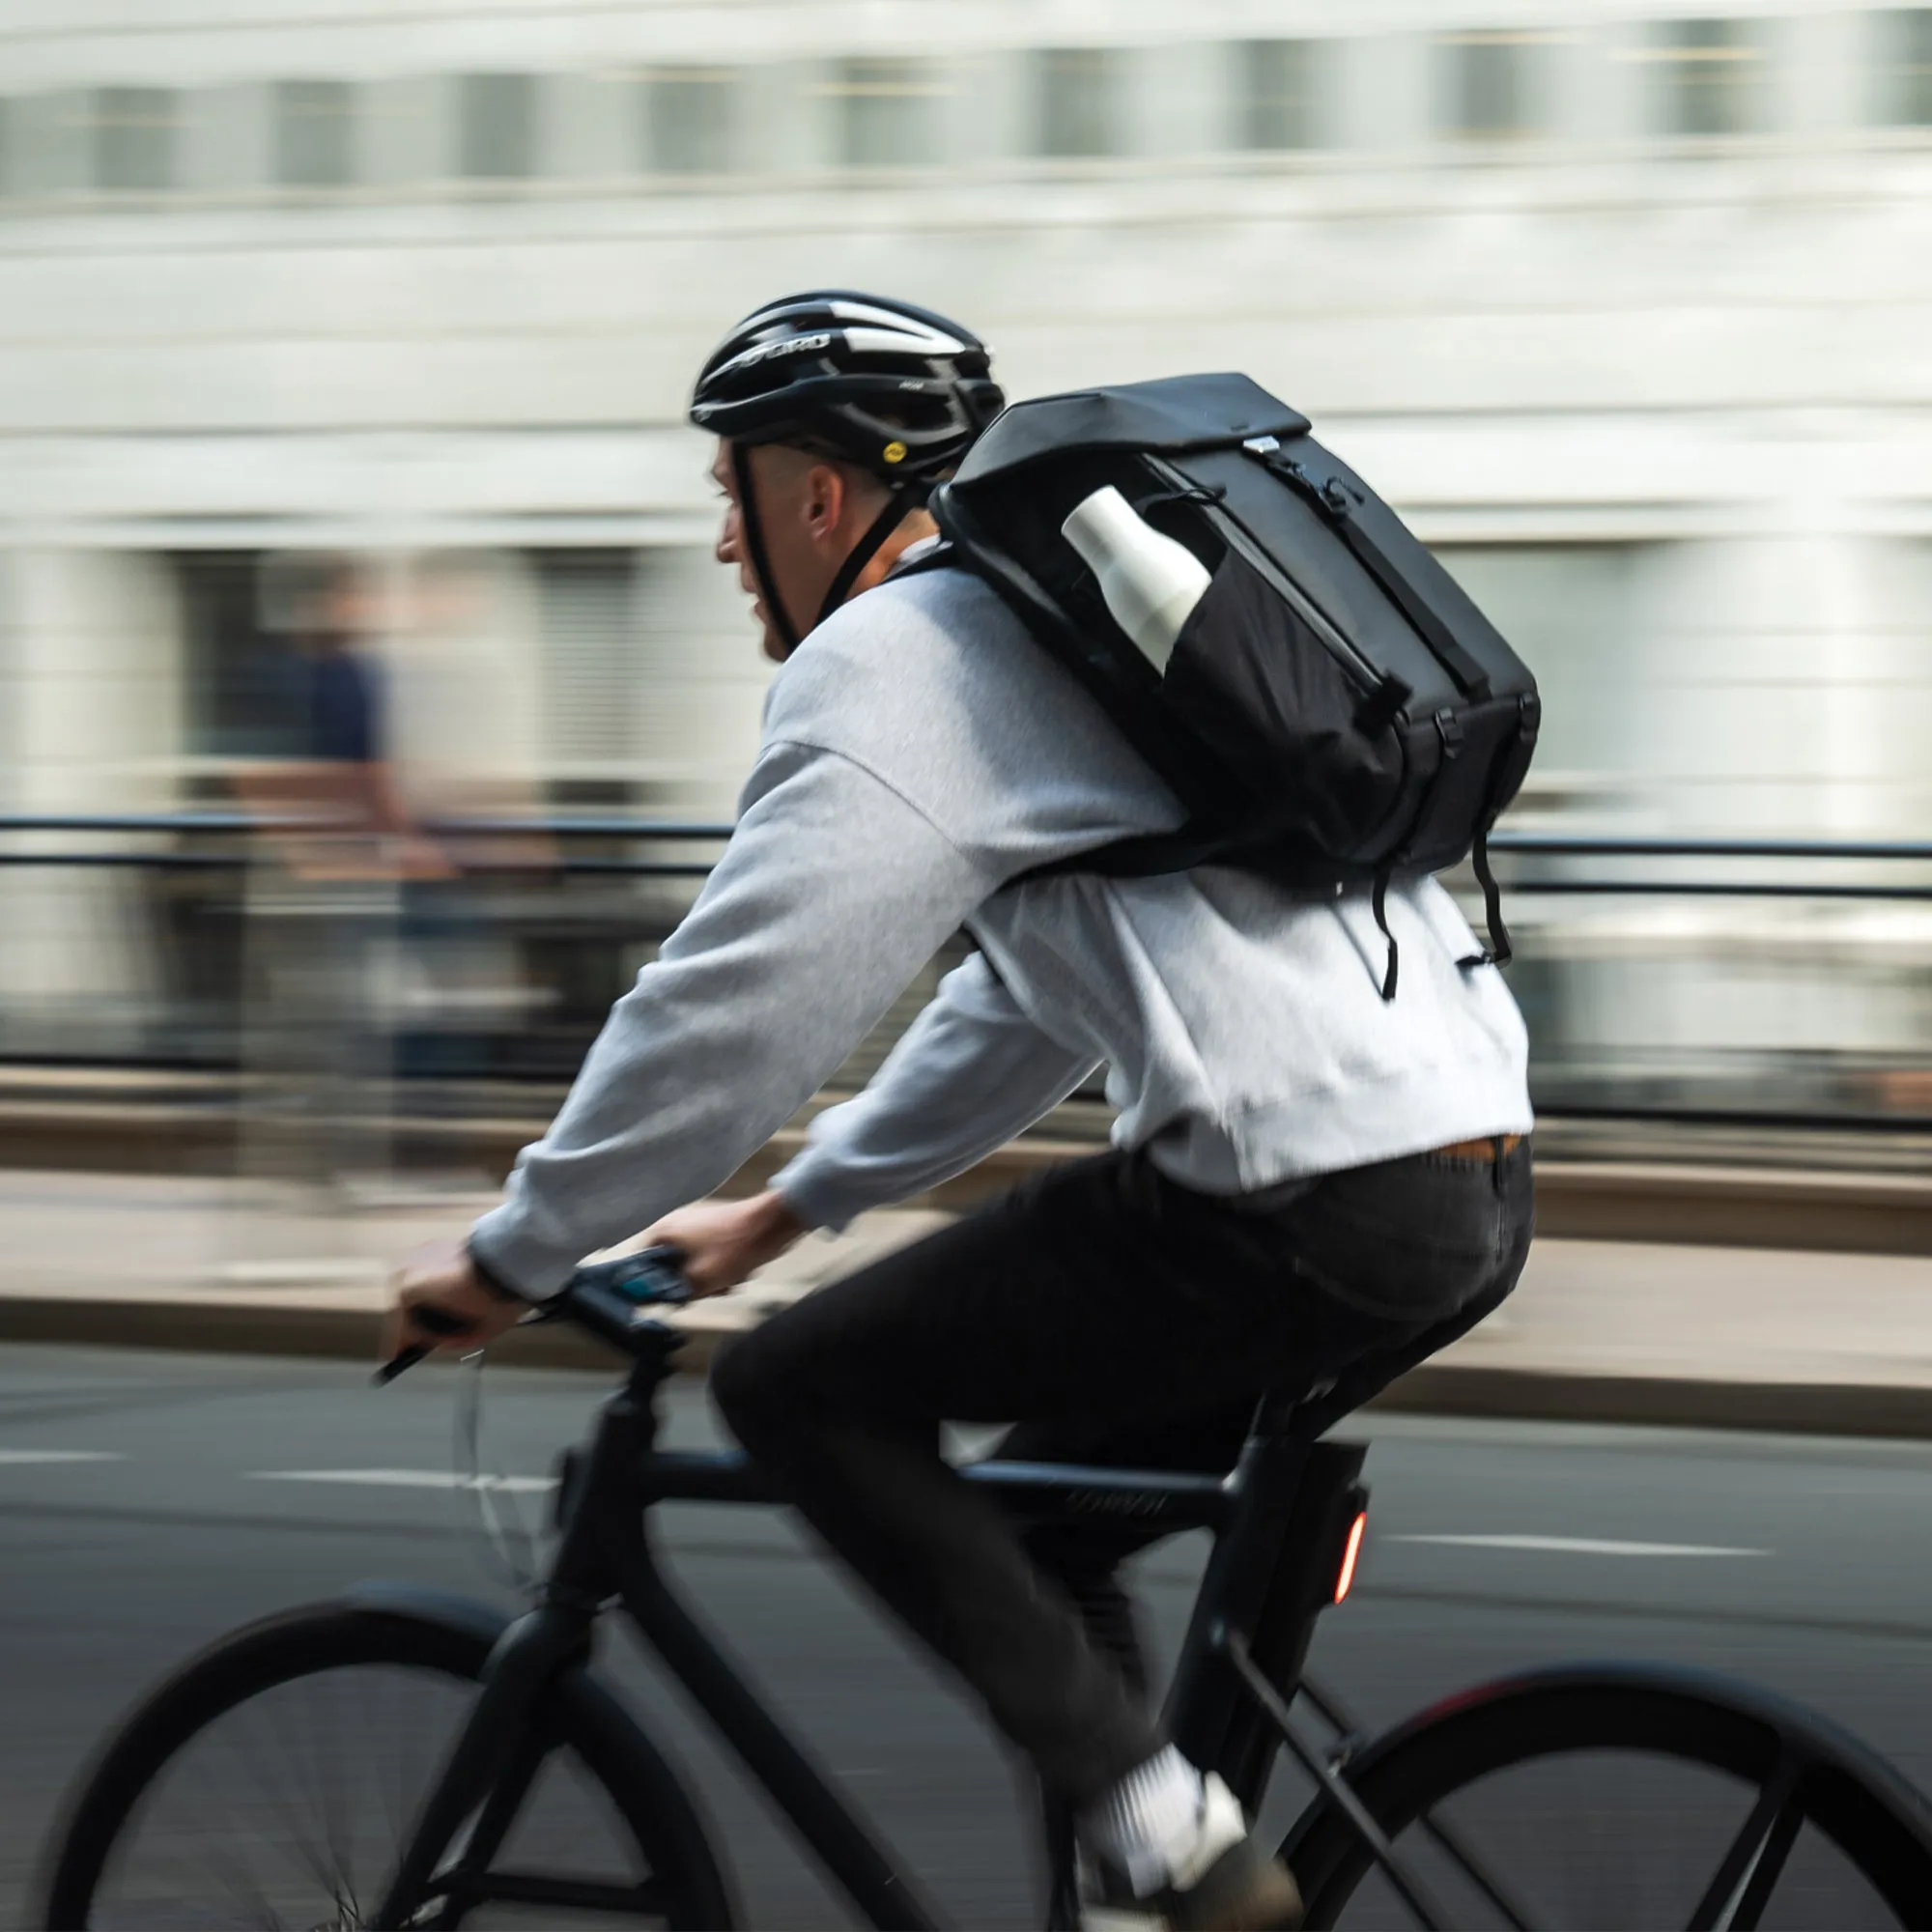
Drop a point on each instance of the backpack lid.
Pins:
(1176, 414)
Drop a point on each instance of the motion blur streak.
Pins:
(342, 355)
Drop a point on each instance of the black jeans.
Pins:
(1115, 1316)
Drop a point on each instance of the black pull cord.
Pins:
(1208, 495)
(1379, 902)
(1500, 952)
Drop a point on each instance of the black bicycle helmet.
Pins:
(894, 389)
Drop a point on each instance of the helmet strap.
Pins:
(900, 505)
(904, 498)
(754, 549)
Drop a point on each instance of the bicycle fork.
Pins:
(488, 1771)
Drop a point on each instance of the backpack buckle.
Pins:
(1449, 728)
(1330, 497)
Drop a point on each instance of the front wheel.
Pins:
(1627, 1798)
(273, 1781)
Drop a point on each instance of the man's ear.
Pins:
(824, 498)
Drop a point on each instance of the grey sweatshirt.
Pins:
(919, 752)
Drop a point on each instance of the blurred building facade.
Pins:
(1628, 306)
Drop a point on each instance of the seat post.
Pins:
(1302, 1586)
(1206, 1695)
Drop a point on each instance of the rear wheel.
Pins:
(272, 1781)
(1629, 1799)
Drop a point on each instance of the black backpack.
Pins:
(1334, 711)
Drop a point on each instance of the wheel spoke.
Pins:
(1617, 1796)
(280, 1809)
(1736, 1897)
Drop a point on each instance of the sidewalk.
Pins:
(1599, 1330)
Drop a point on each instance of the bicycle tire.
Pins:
(687, 1889)
(1876, 1820)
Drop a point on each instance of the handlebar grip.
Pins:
(610, 1298)
(399, 1363)
(435, 1322)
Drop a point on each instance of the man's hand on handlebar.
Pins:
(440, 1278)
(444, 1303)
(721, 1242)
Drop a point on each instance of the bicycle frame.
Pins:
(1281, 1520)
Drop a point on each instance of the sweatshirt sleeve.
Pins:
(832, 893)
(968, 1073)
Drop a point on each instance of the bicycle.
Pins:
(1395, 1828)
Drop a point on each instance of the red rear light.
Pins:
(1349, 1552)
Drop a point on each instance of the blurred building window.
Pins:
(497, 127)
(587, 604)
(688, 120)
(886, 112)
(1905, 77)
(136, 130)
(315, 133)
(1076, 97)
(1275, 94)
(236, 705)
(1572, 612)
(1707, 75)
(1488, 92)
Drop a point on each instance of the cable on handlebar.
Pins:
(505, 1534)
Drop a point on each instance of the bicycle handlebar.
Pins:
(610, 1300)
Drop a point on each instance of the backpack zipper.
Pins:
(1242, 541)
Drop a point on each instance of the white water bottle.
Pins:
(1150, 583)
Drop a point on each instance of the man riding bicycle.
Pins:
(1310, 1188)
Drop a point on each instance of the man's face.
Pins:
(802, 503)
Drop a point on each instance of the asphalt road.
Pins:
(149, 1502)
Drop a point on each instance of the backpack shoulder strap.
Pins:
(939, 555)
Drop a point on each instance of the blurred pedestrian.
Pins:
(334, 843)
(460, 715)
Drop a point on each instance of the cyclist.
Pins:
(1308, 1189)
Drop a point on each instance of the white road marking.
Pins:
(9, 1456)
(405, 1479)
(1582, 1545)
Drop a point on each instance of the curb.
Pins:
(1662, 1401)
(1651, 1188)
(1735, 1206)
(329, 1334)
(1436, 1388)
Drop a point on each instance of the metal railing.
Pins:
(649, 831)
(591, 946)
(1751, 851)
